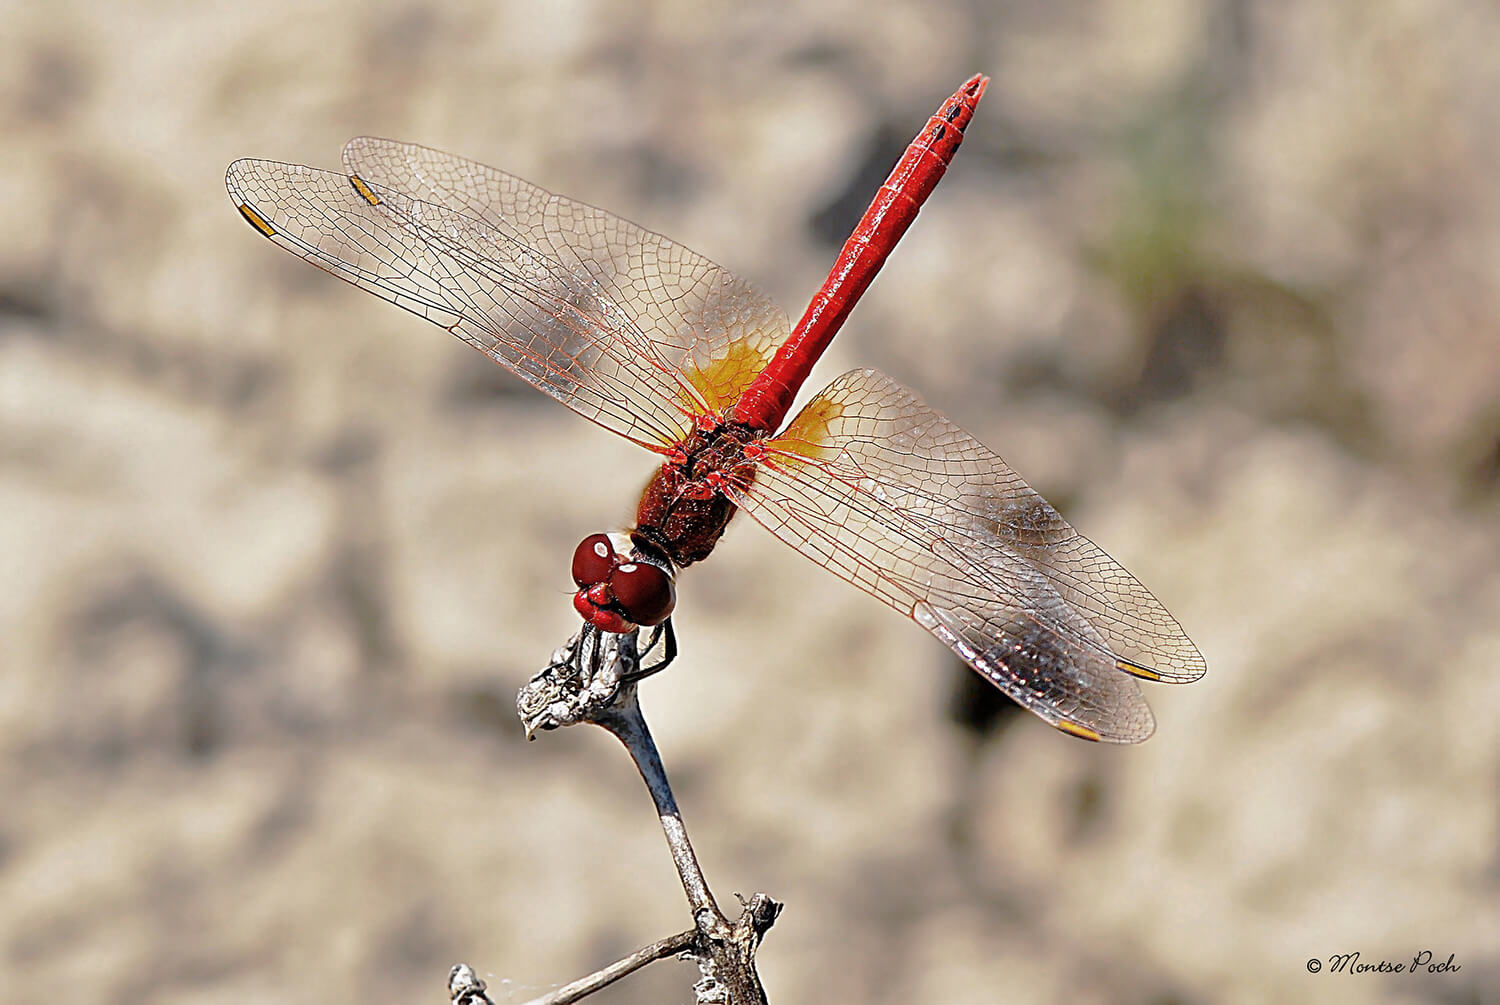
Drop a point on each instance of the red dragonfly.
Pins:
(673, 352)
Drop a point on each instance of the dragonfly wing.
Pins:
(506, 290)
(704, 321)
(889, 495)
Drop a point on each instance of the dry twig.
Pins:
(593, 679)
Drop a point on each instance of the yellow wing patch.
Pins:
(808, 436)
(364, 190)
(1136, 670)
(256, 220)
(1073, 729)
(721, 382)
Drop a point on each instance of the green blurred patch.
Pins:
(1203, 321)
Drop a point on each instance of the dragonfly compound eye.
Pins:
(593, 560)
(645, 591)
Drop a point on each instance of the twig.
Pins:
(729, 969)
(623, 718)
(592, 679)
(465, 987)
(569, 993)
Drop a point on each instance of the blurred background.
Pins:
(1220, 279)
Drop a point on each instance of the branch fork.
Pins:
(593, 678)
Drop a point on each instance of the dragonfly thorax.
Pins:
(686, 506)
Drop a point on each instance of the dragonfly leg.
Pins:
(664, 635)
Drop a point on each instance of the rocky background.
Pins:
(1222, 280)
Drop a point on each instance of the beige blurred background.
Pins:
(1222, 280)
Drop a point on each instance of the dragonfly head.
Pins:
(616, 593)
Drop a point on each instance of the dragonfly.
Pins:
(680, 356)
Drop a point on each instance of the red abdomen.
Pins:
(766, 402)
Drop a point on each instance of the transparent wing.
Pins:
(717, 329)
(870, 483)
(624, 327)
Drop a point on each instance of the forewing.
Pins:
(889, 495)
(508, 291)
(716, 329)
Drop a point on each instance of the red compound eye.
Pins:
(593, 560)
(645, 591)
